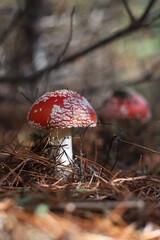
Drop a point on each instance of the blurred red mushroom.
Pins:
(131, 112)
(60, 111)
(126, 105)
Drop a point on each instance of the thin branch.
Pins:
(133, 27)
(11, 25)
(106, 159)
(128, 10)
(65, 47)
(148, 8)
(148, 76)
(69, 38)
(154, 19)
(147, 79)
(27, 98)
(140, 146)
(155, 26)
(33, 76)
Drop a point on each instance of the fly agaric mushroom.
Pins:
(61, 111)
(126, 105)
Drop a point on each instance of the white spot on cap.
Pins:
(123, 110)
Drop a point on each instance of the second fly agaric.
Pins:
(126, 105)
(61, 111)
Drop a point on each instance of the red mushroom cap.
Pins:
(127, 105)
(61, 109)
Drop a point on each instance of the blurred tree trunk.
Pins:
(29, 55)
(37, 55)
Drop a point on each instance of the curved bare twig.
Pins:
(140, 23)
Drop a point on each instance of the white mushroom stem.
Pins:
(62, 138)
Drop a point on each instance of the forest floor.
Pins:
(41, 199)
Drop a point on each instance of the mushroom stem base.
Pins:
(62, 138)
